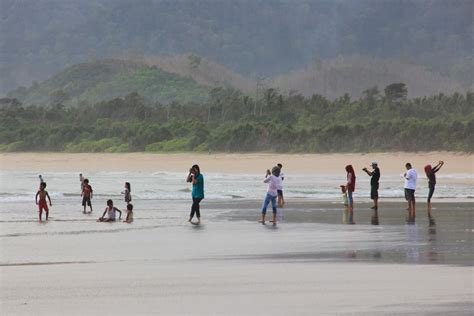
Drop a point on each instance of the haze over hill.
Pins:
(190, 78)
(249, 37)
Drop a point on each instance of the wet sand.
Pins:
(231, 163)
(309, 264)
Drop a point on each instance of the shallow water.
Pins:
(310, 231)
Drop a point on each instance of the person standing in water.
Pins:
(273, 180)
(374, 184)
(127, 193)
(410, 186)
(81, 179)
(87, 194)
(197, 179)
(431, 175)
(281, 199)
(351, 180)
(42, 204)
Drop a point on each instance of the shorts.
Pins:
(349, 197)
(374, 191)
(280, 193)
(410, 195)
(42, 205)
(86, 201)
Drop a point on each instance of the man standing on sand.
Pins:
(374, 184)
(410, 186)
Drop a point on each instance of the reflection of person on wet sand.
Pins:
(431, 175)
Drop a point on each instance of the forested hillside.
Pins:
(108, 79)
(381, 120)
(188, 79)
(252, 37)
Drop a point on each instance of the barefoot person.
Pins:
(410, 186)
(273, 180)
(281, 199)
(129, 217)
(351, 180)
(110, 211)
(196, 178)
(345, 201)
(431, 175)
(127, 192)
(81, 179)
(374, 184)
(42, 204)
(87, 194)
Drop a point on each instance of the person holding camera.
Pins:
(431, 175)
(272, 178)
(374, 183)
(196, 178)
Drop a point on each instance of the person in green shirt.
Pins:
(196, 178)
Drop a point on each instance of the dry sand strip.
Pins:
(392, 163)
(236, 288)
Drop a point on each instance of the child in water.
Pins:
(345, 200)
(86, 194)
(127, 193)
(42, 204)
(110, 210)
(129, 217)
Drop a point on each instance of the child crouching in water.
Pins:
(345, 200)
(110, 211)
(273, 180)
(129, 217)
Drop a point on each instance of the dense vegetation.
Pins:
(108, 79)
(232, 121)
(39, 38)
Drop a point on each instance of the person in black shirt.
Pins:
(374, 183)
(431, 175)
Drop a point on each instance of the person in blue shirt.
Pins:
(196, 178)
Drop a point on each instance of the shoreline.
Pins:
(232, 163)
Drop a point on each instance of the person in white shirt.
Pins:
(273, 180)
(410, 187)
(281, 199)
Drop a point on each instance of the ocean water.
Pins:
(311, 229)
(65, 186)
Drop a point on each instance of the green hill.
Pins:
(107, 79)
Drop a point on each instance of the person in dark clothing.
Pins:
(196, 178)
(374, 183)
(431, 175)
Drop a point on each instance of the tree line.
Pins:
(231, 121)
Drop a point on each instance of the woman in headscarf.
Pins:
(351, 180)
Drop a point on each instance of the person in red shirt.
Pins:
(86, 195)
(351, 180)
(42, 204)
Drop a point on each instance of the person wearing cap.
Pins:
(374, 183)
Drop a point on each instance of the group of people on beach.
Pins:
(274, 195)
(410, 177)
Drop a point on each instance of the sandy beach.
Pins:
(231, 163)
(309, 264)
